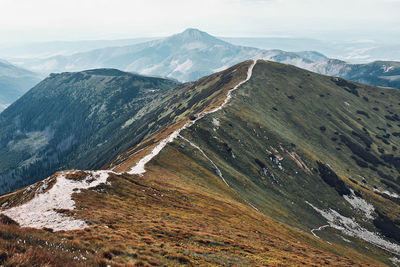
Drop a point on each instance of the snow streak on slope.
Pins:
(318, 229)
(217, 169)
(204, 154)
(360, 205)
(350, 227)
(139, 167)
(41, 211)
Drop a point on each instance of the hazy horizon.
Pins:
(23, 21)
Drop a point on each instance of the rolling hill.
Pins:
(262, 163)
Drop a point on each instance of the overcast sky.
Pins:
(38, 20)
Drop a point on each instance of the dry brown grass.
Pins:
(177, 214)
(31, 247)
(161, 219)
(76, 175)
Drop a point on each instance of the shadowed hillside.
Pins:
(14, 82)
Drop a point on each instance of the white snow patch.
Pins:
(318, 229)
(216, 122)
(360, 204)
(395, 261)
(184, 67)
(128, 123)
(387, 68)
(350, 227)
(345, 239)
(150, 69)
(204, 154)
(139, 167)
(386, 192)
(40, 211)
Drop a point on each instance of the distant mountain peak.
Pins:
(192, 34)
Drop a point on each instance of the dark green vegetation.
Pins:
(302, 154)
(77, 120)
(14, 82)
(83, 120)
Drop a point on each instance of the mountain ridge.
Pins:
(296, 154)
(185, 56)
(192, 54)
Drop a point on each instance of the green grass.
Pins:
(182, 213)
(285, 108)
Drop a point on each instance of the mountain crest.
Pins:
(193, 35)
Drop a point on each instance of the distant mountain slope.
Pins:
(354, 51)
(192, 54)
(186, 56)
(14, 82)
(382, 73)
(63, 48)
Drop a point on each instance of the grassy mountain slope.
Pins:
(83, 120)
(298, 168)
(292, 140)
(180, 212)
